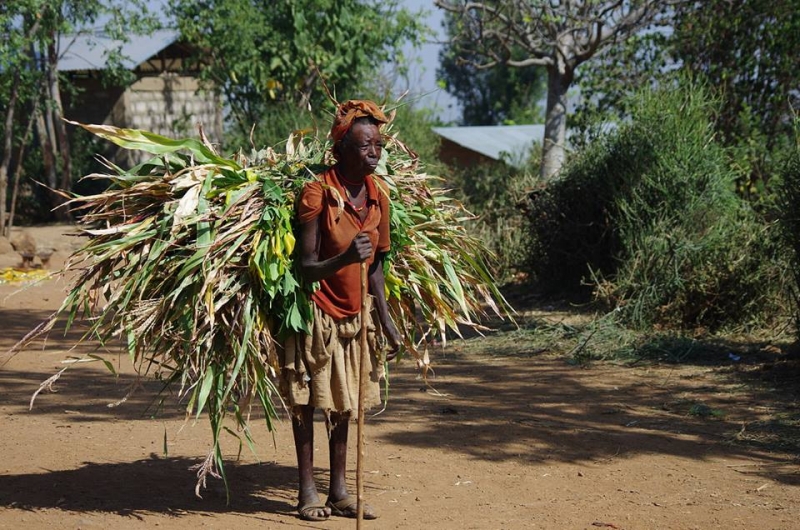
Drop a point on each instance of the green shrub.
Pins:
(493, 193)
(789, 219)
(648, 221)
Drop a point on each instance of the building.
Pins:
(165, 98)
(469, 146)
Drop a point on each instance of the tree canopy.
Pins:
(259, 53)
(31, 87)
(744, 49)
(493, 96)
(556, 35)
(748, 50)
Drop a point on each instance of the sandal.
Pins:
(308, 511)
(348, 507)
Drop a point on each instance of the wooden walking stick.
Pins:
(363, 378)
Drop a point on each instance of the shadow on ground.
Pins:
(534, 408)
(150, 486)
(524, 404)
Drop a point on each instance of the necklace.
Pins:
(350, 198)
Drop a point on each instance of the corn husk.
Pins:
(190, 264)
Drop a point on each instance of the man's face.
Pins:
(361, 151)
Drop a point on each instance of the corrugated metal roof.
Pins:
(90, 52)
(494, 140)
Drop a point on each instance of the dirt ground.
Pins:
(506, 441)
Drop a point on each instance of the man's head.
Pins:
(359, 152)
(356, 135)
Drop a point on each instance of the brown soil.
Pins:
(509, 439)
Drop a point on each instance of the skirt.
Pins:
(322, 368)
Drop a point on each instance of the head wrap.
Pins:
(349, 111)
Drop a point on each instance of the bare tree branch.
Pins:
(559, 35)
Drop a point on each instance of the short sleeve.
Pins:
(310, 205)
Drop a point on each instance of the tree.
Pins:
(499, 95)
(556, 35)
(748, 50)
(31, 86)
(261, 53)
(12, 87)
(745, 50)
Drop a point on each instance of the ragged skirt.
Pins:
(322, 368)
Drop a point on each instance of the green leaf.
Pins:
(205, 389)
(106, 362)
(156, 144)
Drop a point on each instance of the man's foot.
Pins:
(348, 507)
(313, 511)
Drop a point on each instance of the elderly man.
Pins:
(321, 369)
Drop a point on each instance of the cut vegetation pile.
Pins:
(190, 263)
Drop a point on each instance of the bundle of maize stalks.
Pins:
(189, 262)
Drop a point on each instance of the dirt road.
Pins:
(506, 441)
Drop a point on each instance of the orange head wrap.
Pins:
(349, 111)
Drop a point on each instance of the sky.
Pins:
(425, 60)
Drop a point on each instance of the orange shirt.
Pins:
(339, 295)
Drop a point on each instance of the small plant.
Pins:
(702, 410)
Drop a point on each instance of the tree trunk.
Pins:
(46, 129)
(8, 132)
(62, 214)
(559, 79)
(50, 174)
(18, 169)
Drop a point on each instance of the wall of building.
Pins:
(459, 156)
(170, 105)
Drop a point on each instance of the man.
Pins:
(321, 369)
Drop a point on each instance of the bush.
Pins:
(789, 219)
(648, 221)
(493, 192)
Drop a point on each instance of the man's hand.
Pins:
(394, 339)
(359, 250)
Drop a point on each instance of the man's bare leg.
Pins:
(309, 505)
(339, 500)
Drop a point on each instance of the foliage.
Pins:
(642, 60)
(748, 50)
(745, 50)
(789, 201)
(648, 219)
(191, 255)
(260, 53)
(493, 193)
(31, 88)
(558, 36)
(502, 95)
(414, 125)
